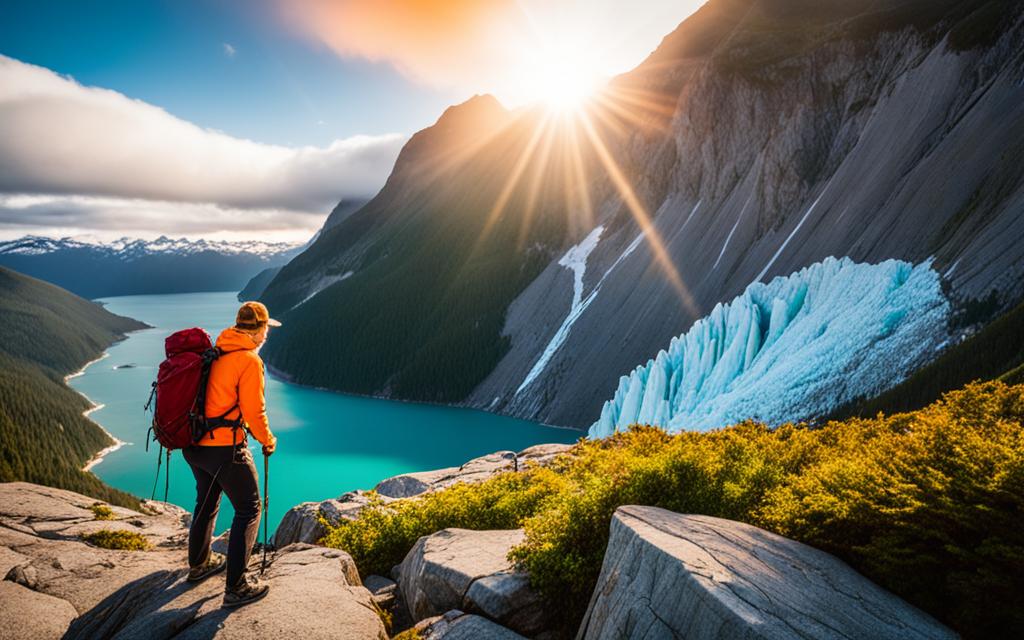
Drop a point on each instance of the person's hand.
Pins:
(268, 449)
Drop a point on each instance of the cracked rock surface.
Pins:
(56, 585)
(668, 575)
(460, 569)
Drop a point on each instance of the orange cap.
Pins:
(253, 315)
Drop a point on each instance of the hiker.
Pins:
(221, 460)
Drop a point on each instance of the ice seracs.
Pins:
(793, 348)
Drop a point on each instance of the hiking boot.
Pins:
(249, 589)
(214, 564)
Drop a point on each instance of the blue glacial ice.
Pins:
(793, 348)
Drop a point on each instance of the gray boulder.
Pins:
(383, 590)
(667, 575)
(304, 522)
(469, 570)
(456, 625)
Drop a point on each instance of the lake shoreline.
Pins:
(287, 379)
(332, 442)
(116, 443)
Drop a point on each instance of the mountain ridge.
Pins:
(131, 266)
(869, 130)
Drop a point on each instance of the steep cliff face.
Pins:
(895, 145)
(761, 137)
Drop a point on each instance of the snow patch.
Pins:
(574, 259)
(322, 284)
(732, 231)
(574, 313)
(796, 347)
(792, 233)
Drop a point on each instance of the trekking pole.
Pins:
(266, 507)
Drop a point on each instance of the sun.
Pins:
(566, 85)
(560, 77)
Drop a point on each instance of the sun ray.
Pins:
(522, 162)
(641, 216)
(579, 179)
(536, 181)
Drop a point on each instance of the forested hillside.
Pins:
(47, 333)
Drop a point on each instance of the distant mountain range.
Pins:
(518, 264)
(132, 266)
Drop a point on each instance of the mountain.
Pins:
(524, 263)
(127, 266)
(254, 288)
(47, 333)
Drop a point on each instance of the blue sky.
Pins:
(278, 87)
(235, 119)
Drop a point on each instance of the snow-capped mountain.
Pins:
(133, 248)
(93, 269)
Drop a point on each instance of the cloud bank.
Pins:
(60, 138)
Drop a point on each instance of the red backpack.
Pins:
(179, 393)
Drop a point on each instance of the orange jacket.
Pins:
(236, 378)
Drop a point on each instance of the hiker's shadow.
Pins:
(156, 606)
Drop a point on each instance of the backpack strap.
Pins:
(201, 425)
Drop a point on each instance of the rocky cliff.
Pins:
(522, 264)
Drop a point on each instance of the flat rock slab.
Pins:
(311, 597)
(29, 615)
(667, 575)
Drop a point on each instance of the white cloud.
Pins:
(60, 138)
(229, 50)
(494, 46)
(109, 218)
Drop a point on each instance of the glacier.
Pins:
(790, 349)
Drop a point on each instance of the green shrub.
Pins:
(121, 540)
(928, 504)
(101, 511)
(409, 634)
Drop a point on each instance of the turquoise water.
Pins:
(328, 443)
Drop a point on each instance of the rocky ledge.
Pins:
(57, 585)
(665, 575)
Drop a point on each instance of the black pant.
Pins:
(231, 470)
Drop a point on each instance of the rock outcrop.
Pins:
(305, 522)
(57, 585)
(667, 575)
(457, 625)
(470, 571)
